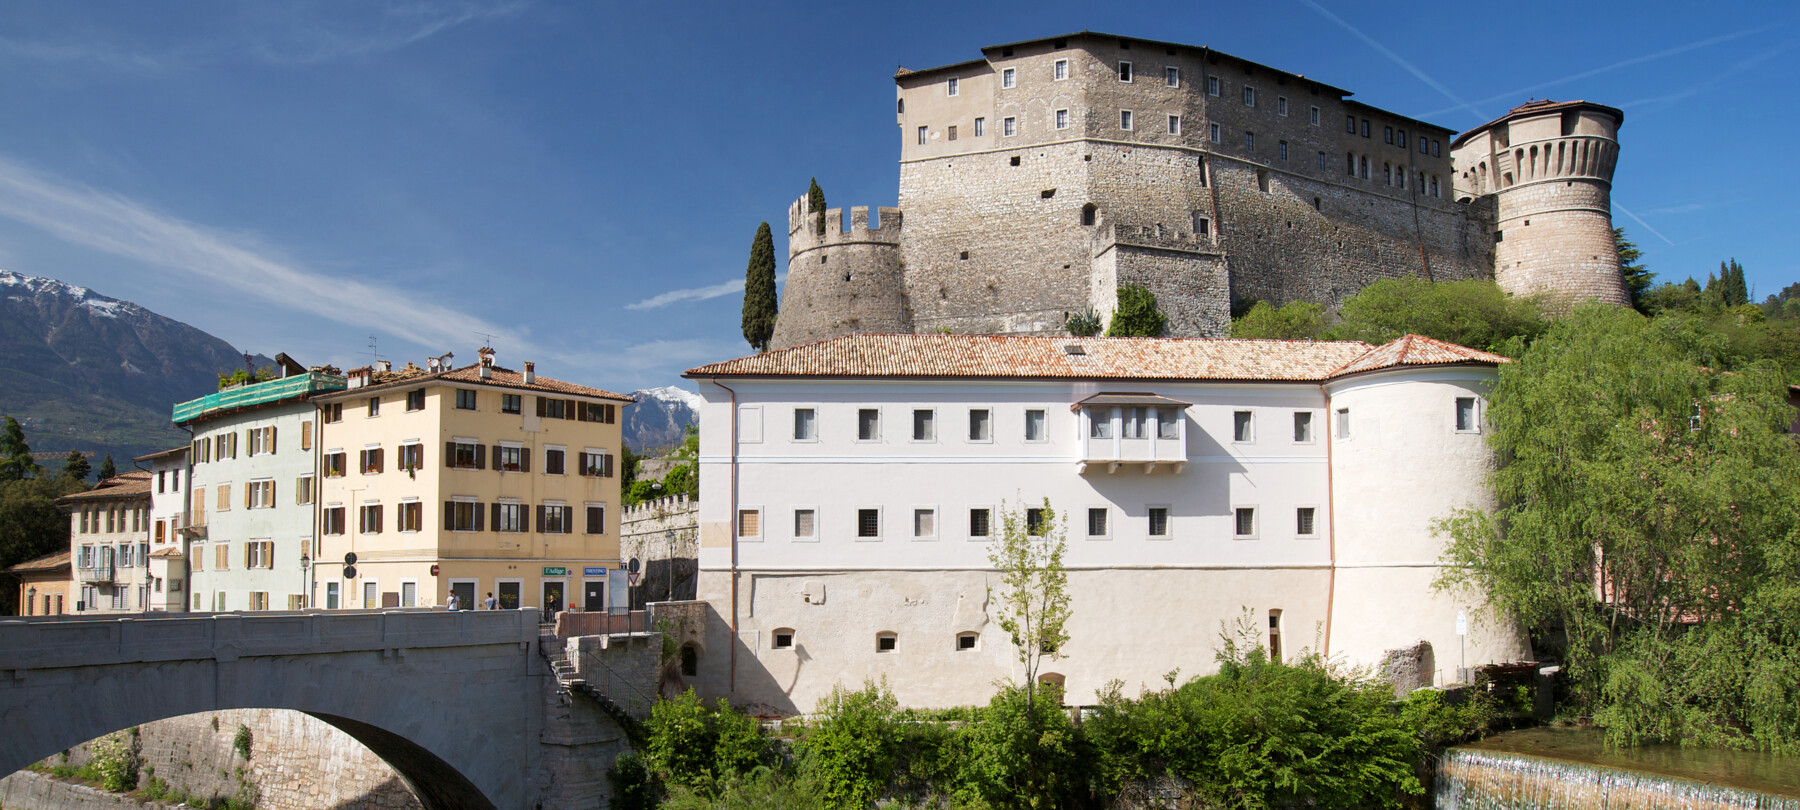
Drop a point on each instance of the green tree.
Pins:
(687, 744)
(76, 467)
(1637, 277)
(107, 470)
(760, 305)
(851, 751)
(1737, 291)
(1034, 598)
(1295, 320)
(1649, 507)
(1474, 313)
(1025, 753)
(815, 206)
(1137, 315)
(15, 454)
(31, 525)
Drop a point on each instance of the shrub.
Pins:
(850, 752)
(1474, 313)
(691, 746)
(1137, 315)
(1085, 323)
(1296, 320)
(240, 742)
(114, 763)
(1024, 752)
(760, 789)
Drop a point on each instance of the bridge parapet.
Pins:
(27, 645)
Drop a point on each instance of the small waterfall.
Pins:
(1473, 779)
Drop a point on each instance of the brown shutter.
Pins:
(497, 464)
(609, 465)
(593, 520)
(525, 520)
(540, 405)
(524, 459)
(479, 514)
(378, 513)
(540, 517)
(449, 454)
(496, 510)
(568, 409)
(380, 459)
(271, 440)
(481, 457)
(449, 515)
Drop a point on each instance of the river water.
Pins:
(1570, 769)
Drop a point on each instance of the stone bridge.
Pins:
(461, 704)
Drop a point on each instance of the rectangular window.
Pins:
(1343, 423)
(465, 399)
(1314, 119)
(512, 403)
(412, 516)
(980, 425)
(1240, 426)
(224, 491)
(1303, 427)
(510, 518)
(924, 522)
(1350, 124)
(415, 400)
(1062, 119)
(1365, 167)
(950, 132)
(259, 495)
(1202, 225)
(509, 459)
(1387, 134)
(1250, 141)
(1215, 134)
(806, 523)
(868, 424)
(1136, 421)
(1036, 521)
(980, 127)
(259, 554)
(1400, 138)
(1245, 525)
(1168, 423)
(553, 461)
(1465, 415)
(1365, 128)
(1303, 521)
(466, 455)
(1008, 78)
(596, 518)
(555, 519)
(805, 425)
(1034, 425)
(978, 522)
(604, 414)
(409, 594)
(596, 464)
(1124, 119)
(1172, 76)
(371, 461)
(1124, 71)
(1212, 85)
(1249, 96)
(1100, 423)
(1009, 126)
(1174, 125)
(868, 523)
(374, 406)
(259, 600)
(924, 425)
(950, 87)
(462, 516)
(334, 520)
(1321, 161)
(412, 456)
(1060, 70)
(921, 136)
(750, 523)
(305, 438)
(1281, 149)
(333, 413)
(1281, 105)
(369, 518)
(1096, 524)
(261, 440)
(222, 557)
(1159, 521)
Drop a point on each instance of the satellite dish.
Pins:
(350, 558)
(349, 572)
(632, 566)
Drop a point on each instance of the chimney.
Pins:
(530, 372)
(487, 362)
(386, 365)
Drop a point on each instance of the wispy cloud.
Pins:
(1640, 220)
(123, 227)
(1685, 208)
(1670, 99)
(325, 38)
(1397, 59)
(696, 294)
(1511, 95)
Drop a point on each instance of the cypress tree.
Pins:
(1637, 278)
(760, 305)
(15, 454)
(107, 470)
(1737, 291)
(815, 204)
(76, 467)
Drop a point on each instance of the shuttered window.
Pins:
(596, 519)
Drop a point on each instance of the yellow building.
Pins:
(472, 481)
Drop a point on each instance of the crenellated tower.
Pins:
(1548, 167)
(841, 282)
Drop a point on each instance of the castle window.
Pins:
(1281, 147)
(1387, 174)
(921, 136)
(1434, 185)
(899, 106)
(806, 425)
(1434, 148)
(1124, 119)
(885, 641)
(1062, 119)
(782, 638)
(1174, 125)
(1499, 236)
(1203, 158)
(1009, 78)
(1365, 127)
(966, 641)
(1400, 177)
(1304, 523)
(1315, 116)
(1321, 161)
(1060, 70)
(1212, 85)
(1262, 180)
(953, 85)
(964, 256)
(1214, 134)
(1062, 43)
(1087, 214)
(1400, 139)
(1465, 416)
(1015, 160)
(1424, 148)
(1281, 105)
(1125, 71)
(1172, 76)
(950, 132)
(1350, 124)
(1202, 225)
(1350, 162)
(1250, 141)
(1009, 127)
(1387, 134)
(980, 127)
(1047, 194)
(1365, 167)
(1249, 96)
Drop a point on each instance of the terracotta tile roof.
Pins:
(500, 378)
(127, 485)
(48, 562)
(173, 451)
(1021, 357)
(1417, 350)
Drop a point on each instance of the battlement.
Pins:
(802, 236)
(666, 507)
(1159, 236)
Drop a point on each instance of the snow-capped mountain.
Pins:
(83, 371)
(659, 418)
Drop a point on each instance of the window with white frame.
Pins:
(749, 522)
(1060, 70)
(1304, 524)
(369, 518)
(1124, 71)
(1212, 85)
(463, 516)
(1466, 415)
(1096, 521)
(782, 638)
(1174, 125)
(1157, 521)
(1244, 521)
(412, 516)
(1168, 423)
(412, 456)
(981, 425)
(806, 427)
(1214, 133)
(1135, 422)
(596, 518)
(259, 554)
(1125, 119)
(262, 440)
(980, 522)
(924, 425)
(980, 127)
(465, 399)
(1241, 427)
(510, 457)
(1009, 126)
(1100, 423)
(415, 400)
(1062, 119)
(555, 517)
(886, 641)
(924, 523)
(1172, 76)
(952, 86)
(868, 424)
(922, 139)
(259, 494)
(333, 519)
(509, 517)
(1303, 427)
(1342, 428)
(1009, 78)
(806, 523)
(1034, 425)
(409, 593)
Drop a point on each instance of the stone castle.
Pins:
(1037, 179)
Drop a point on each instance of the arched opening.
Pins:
(690, 660)
(1088, 213)
(887, 641)
(966, 640)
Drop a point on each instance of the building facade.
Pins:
(109, 538)
(851, 490)
(44, 585)
(168, 515)
(1037, 179)
(471, 481)
(251, 491)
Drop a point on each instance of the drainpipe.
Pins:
(1330, 520)
(187, 517)
(731, 521)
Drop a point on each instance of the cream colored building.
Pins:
(109, 529)
(168, 515)
(472, 480)
(851, 489)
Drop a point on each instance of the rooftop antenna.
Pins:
(374, 353)
(487, 340)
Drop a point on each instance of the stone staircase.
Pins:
(569, 680)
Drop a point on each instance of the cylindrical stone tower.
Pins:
(841, 282)
(1549, 167)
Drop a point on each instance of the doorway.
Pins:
(331, 596)
(593, 598)
(553, 595)
(508, 594)
(465, 593)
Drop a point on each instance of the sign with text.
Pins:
(556, 571)
(594, 571)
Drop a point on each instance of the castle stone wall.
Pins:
(841, 282)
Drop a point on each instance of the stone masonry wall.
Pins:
(843, 283)
(663, 536)
(296, 762)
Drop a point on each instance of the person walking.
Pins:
(490, 603)
(450, 604)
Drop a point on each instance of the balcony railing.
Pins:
(1119, 429)
(98, 573)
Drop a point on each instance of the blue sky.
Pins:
(582, 180)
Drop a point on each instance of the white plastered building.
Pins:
(850, 489)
